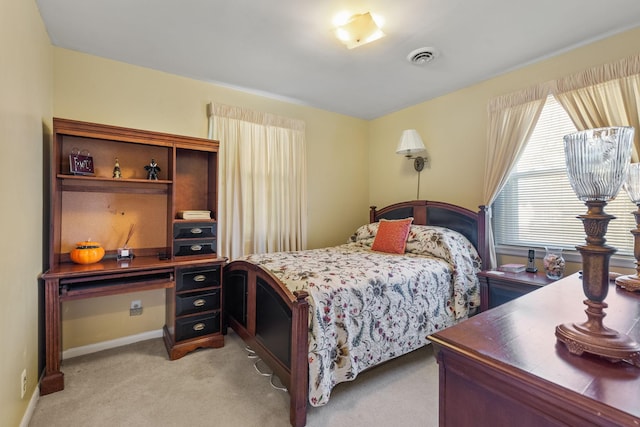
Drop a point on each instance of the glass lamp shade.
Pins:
(632, 183)
(598, 161)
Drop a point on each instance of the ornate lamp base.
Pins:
(630, 283)
(595, 338)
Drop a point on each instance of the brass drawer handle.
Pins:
(199, 302)
(200, 278)
(196, 230)
(198, 326)
(196, 248)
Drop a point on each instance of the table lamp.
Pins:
(632, 187)
(597, 165)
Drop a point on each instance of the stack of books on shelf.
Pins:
(194, 214)
(512, 268)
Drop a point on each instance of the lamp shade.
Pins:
(632, 183)
(410, 143)
(598, 161)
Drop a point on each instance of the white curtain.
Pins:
(607, 95)
(262, 187)
(512, 119)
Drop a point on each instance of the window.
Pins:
(538, 207)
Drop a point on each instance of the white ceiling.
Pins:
(285, 48)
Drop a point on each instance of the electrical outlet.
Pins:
(136, 308)
(23, 383)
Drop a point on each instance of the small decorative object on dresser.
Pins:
(553, 263)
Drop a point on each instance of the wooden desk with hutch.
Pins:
(505, 367)
(169, 252)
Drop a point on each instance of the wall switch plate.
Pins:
(136, 308)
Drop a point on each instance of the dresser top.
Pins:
(519, 338)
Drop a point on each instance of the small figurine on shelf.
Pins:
(116, 170)
(152, 170)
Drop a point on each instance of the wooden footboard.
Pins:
(274, 323)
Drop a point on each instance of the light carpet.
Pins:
(137, 385)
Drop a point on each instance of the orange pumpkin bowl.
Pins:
(87, 253)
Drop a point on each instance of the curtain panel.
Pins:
(511, 120)
(262, 202)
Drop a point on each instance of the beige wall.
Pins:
(25, 115)
(104, 91)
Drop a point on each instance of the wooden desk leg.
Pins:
(53, 379)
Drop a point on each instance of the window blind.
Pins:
(538, 207)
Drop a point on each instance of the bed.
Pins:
(319, 317)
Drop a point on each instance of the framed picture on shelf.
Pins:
(81, 164)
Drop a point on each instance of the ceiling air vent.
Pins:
(422, 55)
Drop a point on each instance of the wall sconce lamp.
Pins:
(357, 30)
(410, 144)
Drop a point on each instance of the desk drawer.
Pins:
(197, 301)
(197, 278)
(199, 230)
(192, 327)
(194, 247)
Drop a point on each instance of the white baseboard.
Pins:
(105, 345)
(26, 418)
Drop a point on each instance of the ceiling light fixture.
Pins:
(357, 30)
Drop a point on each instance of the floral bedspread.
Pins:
(367, 307)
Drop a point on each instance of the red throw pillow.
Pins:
(392, 236)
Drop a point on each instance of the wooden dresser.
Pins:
(504, 366)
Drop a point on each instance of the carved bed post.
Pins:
(372, 213)
(299, 360)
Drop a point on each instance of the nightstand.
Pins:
(497, 287)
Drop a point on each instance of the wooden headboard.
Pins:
(470, 224)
